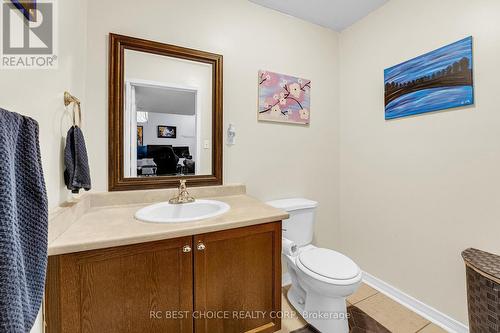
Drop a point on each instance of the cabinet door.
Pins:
(126, 289)
(238, 280)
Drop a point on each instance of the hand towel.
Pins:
(23, 223)
(77, 173)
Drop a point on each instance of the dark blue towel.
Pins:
(77, 173)
(23, 223)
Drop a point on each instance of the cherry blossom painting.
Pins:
(284, 98)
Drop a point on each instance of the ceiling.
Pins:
(334, 14)
(165, 100)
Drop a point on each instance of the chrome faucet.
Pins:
(182, 195)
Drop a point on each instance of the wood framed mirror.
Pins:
(165, 115)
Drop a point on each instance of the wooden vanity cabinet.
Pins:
(221, 282)
(239, 272)
(114, 289)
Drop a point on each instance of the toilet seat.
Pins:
(328, 266)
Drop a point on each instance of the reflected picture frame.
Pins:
(140, 135)
(167, 132)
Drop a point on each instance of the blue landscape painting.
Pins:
(438, 80)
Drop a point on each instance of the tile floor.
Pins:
(393, 316)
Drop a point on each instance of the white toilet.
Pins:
(321, 278)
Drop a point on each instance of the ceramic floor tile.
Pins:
(363, 292)
(360, 322)
(395, 317)
(432, 328)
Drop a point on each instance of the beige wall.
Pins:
(417, 191)
(39, 93)
(273, 160)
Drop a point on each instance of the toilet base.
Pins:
(297, 302)
(326, 314)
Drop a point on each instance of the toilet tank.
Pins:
(299, 227)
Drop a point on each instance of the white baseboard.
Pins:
(445, 322)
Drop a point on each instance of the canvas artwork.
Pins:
(438, 80)
(284, 98)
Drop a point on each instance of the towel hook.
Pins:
(68, 99)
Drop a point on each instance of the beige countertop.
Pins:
(95, 226)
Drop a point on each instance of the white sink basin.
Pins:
(164, 212)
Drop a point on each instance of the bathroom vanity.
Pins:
(111, 273)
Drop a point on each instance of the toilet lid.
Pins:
(329, 263)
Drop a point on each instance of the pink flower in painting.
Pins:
(304, 114)
(295, 90)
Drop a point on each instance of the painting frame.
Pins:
(167, 132)
(438, 80)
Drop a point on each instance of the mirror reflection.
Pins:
(167, 116)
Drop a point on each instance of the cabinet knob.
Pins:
(201, 246)
(186, 248)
